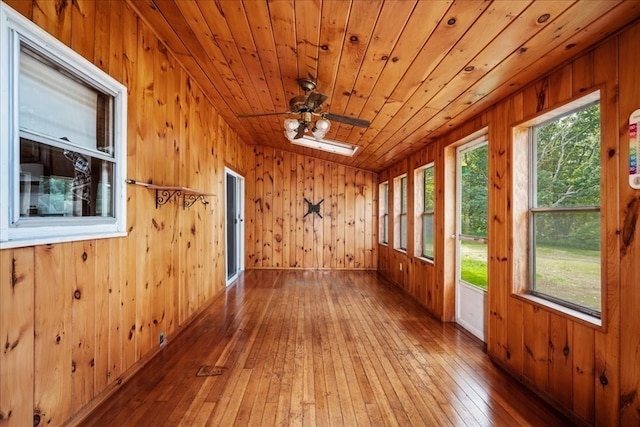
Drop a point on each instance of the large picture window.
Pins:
(64, 121)
(564, 211)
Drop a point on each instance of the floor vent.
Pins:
(209, 371)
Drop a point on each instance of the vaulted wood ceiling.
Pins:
(414, 69)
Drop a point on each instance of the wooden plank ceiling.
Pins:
(414, 69)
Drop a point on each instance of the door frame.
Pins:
(463, 291)
(240, 227)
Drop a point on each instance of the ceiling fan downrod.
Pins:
(307, 85)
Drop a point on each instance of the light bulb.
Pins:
(320, 128)
(291, 124)
(323, 125)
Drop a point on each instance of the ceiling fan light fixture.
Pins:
(290, 134)
(321, 128)
(291, 124)
(291, 128)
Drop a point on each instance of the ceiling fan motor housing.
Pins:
(307, 85)
(297, 104)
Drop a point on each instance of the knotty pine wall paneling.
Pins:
(129, 59)
(422, 272)
(591, 372)
(418, 276)
(17, 322)
(603, 66)
(339, 237)
(310, 251)
(629, 223)
(387, 264)
(53, 331)
(398, 257)
(79, 318)
(329, 224)
(499, 330)
(278, 233)
(384, 266)
(278, 208)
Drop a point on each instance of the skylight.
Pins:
(327, 145)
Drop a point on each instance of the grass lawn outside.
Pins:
(565, 273)
(569, 274)
(473, 264)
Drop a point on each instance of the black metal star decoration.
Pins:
(313, 208)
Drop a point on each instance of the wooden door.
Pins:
(234, 196)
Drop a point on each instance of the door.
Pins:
(234, 235)
(471, 236)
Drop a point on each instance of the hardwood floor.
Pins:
(321, 348)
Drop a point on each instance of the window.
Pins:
(424, 207)
(384, 213)
(64, 119)
(564, 208)
(472, 205)
(400, 210)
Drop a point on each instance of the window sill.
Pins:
(21, 243)
(383, 244)
(402, 251)
(563, 311)
(425, 260)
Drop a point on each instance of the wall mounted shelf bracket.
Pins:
(164, 194)
(190, 198)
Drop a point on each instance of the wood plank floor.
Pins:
(321, 348)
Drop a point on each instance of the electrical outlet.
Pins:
(161, 339)
(400, 266)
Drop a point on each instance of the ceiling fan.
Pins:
(308, 105)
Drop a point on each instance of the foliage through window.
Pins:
(401, 209)
(425, 211)
(565, 210)
(473, 172)
(64, 119)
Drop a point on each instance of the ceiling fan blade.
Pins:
(315, 100)
(243, 116)
(301, 129)
(347, 120)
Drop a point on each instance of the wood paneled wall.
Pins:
(76, 319)
(625, 301)
(590, 372)
(415, 275)
(278, 235)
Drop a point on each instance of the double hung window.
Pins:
(425, 211)
(564, 211)
(63, 121)
(400, 208)
(384, 213)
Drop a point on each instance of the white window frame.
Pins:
(384, 213)
(420, 212)
(398, 204)
(15, 30)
